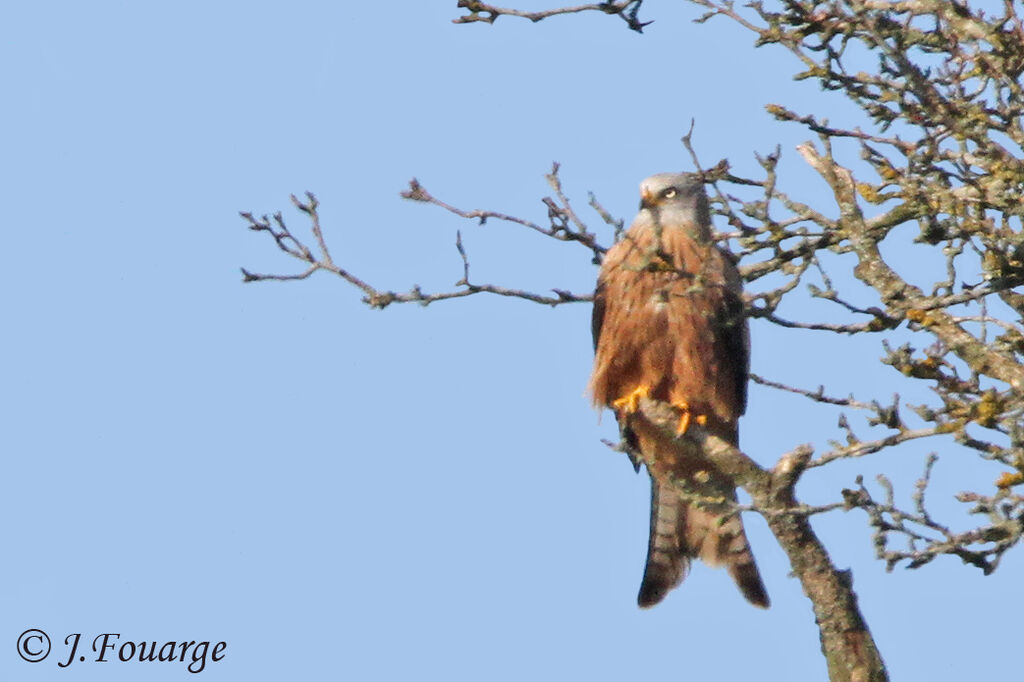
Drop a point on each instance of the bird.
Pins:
(668, 325)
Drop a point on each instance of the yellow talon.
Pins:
(687, 416)
(630, 403)
(684, 421)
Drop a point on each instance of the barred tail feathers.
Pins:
(667, 564)
(680, 531)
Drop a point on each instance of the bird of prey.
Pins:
(668, 325)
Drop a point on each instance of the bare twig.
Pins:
(627, 10)
(927, 539)
(288, 243)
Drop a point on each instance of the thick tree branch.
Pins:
(896, 292)
(846, 642)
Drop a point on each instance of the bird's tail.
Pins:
(681, 531)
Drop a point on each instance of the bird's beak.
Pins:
(646, 198)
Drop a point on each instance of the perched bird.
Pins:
(668, 325)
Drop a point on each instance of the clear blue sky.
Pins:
(340, 493)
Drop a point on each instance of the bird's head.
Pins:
(677, 200)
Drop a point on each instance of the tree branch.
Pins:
(626, 10)
(982, 547)
(846, 642)
(288, 243)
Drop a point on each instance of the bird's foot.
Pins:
(687, 416)
(630, 403)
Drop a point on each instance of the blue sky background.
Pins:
(341, 493)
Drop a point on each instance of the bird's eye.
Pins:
(669, 193)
